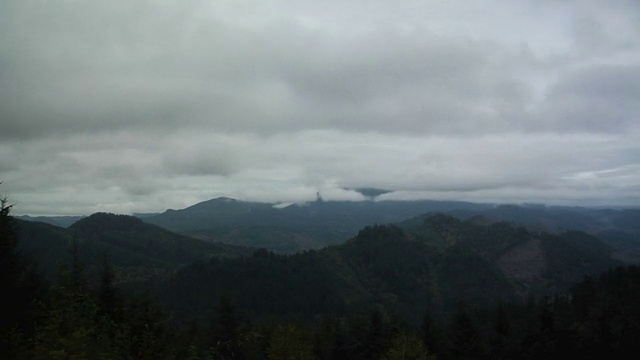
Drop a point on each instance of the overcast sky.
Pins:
(139, 106)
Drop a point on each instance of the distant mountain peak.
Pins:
(225, 199)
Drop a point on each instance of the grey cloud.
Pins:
(594, 99)
(200, 163)
(600, 29)
(116, 105)
(116, 70)
(295, 167)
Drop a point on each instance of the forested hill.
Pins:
(440, 260)
(135, 249)
(619, 228)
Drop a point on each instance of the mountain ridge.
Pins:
(447, 260)
(291, 228)
(126, 242)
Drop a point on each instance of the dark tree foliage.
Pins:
(345, 302)
(465, 338)
(432, 332)
(20, 286)
(227, 336)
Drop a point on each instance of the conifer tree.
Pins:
(407, 346)
(20, 287)
(289, 342)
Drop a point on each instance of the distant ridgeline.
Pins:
(292, 228)
(314, 225)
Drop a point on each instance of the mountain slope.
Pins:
(439, 260)
(134, 248)
(620, 228)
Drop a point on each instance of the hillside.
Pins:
(620, 228)
(441, 260)
(135, 249)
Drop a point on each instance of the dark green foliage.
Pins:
(365, 299)
(433, 333)
(76, 321)
(137, 252)
(617, 228)
(20, 286)
(607, 312)
(407, 346)
(573, 254)
(289, 342)
(443, 259)
(227, 338)
(465, 338)
(472, 278)
(264, 284)
(126, 233)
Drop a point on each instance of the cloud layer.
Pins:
(133, 106)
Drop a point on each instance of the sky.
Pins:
(131, 106)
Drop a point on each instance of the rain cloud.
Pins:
(139, 106)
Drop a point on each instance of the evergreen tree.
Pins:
(69, 326)
(147, 325)
(377, 337)
(465, 338)
(20, 286)
(502, 333)
(406, 346)
(327, 337)
(432, 333)
(289, 342)
(108, 298)
(227, 333)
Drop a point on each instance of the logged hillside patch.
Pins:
(524, 262)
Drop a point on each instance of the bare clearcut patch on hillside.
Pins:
(523, 262)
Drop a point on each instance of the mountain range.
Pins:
(314, 225)
(320, 258)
